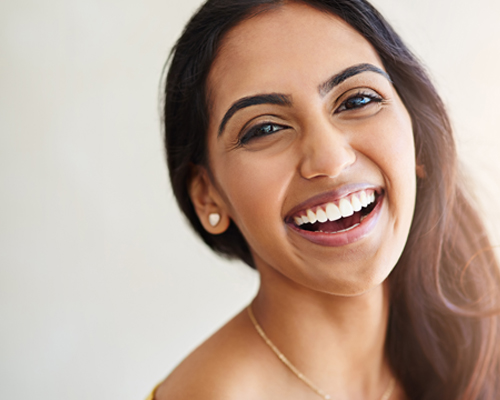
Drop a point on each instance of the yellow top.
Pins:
(152, 395)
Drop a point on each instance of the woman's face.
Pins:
(305, 125)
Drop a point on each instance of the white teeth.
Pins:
(333, 212)
(345, 207)
(363, 199)
(356, 204)
(311, 217)
(321, 215)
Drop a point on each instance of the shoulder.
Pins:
(231, 364)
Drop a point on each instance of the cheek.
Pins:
(399, 169)
(254, 186)
(391, 145)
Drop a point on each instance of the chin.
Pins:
(358, 281)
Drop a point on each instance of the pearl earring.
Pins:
(214, 219)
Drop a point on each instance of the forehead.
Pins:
(283, 50)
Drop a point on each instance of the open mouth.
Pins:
(338, 216)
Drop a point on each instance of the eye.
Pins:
(261, 130)
(358, 101)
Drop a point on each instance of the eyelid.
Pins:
(357, 90)
(375, 82)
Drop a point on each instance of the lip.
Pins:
(343, 238)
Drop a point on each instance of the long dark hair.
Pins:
(443, 335)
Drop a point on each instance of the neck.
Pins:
(337, 342)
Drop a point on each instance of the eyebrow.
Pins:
(286, 100)
(272, 98)
(347, 73)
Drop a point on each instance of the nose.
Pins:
(325, 150)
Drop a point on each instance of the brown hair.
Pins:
(444, 326)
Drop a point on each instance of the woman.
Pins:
(305, 139)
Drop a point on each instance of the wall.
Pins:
(103, 288)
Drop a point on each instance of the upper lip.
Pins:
(330, 196)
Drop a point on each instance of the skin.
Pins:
(324, 307)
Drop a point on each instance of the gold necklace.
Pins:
(387, 394)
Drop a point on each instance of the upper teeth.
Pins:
(346, 207)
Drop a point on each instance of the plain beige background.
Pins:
(103, 288)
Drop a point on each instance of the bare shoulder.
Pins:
(231, 364)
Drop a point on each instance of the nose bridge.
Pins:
(325, 149)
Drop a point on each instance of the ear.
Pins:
(207, 202)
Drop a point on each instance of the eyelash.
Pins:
(373, 98)
(253, 132)
(256, 131)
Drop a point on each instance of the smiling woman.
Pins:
(306, 140)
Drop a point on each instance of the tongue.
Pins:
(339, 225)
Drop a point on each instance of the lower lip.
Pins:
(352, 235)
